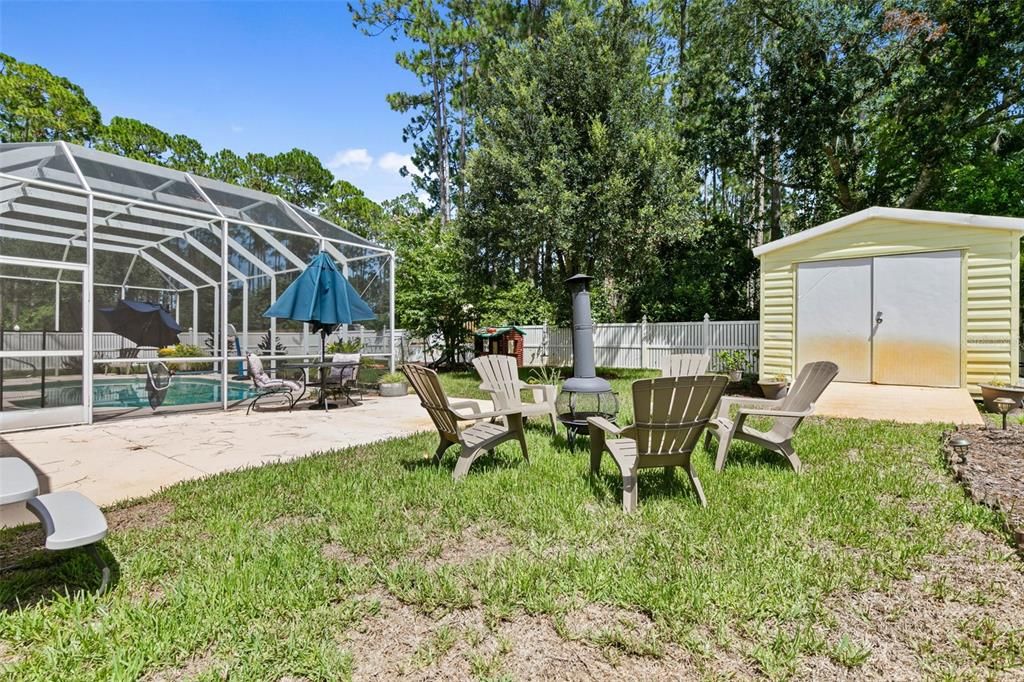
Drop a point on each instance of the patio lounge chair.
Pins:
(499, 375)
(473, 441)
(69, 518)
(342, 381)
(267, 386)
(158, 380)
(785, 413)
(685, 365)
(670, 414)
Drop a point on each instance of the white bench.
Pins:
(69, 518)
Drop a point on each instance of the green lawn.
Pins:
(370, 560)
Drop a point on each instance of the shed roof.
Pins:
(492, 332)
(899, 214)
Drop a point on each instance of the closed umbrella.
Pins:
(322, 297)
(146, 324)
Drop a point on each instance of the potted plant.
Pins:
(392, 385)
(774, 387)
(999, 388)
(732, 362)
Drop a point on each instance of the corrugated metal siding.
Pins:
(990, 317)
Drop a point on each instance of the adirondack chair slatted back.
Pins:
(810, 383)
(500, 373)
(670, 413)
(428, 387)
(685, 365)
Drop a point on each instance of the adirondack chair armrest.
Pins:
(470, 405)
(776, 413)
(604, 425)
(542, 393)
(487, 388)
(487, 415)
(727, 403)
(744, 413)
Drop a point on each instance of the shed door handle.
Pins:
(878, 317)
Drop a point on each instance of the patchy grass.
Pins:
(371, 562)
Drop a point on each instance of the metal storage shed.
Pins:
(895, 296)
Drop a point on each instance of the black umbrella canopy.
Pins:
(146, 324)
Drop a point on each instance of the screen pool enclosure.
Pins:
(82, 229)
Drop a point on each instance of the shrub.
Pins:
(185, 350)
(349, 346)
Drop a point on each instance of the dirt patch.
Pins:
(949, 610)
(340, 553)
(190, 669)
(473, 544)
(597, 622)
(399, 641)
(287, 522)
(993, 471)
(145, 516)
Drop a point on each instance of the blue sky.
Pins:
(252, 76)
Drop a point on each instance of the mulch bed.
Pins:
(993, 471)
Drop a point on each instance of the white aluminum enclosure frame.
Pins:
(53, 187)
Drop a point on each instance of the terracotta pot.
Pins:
(989, 394)
(773, 390)
(393, 390)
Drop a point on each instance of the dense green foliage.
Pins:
(656, 143)
(651, 144)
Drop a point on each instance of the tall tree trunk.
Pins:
(440, 136)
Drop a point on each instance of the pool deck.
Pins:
(120, 459)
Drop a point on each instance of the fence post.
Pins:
(645, 360)
(544, 345)
(706, 334)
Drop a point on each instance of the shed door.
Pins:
(833, 316)
(917, 298)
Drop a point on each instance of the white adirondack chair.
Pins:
(499, 376)
(685, 365)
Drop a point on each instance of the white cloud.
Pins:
(349, 158)
(393, 161)
(235, 128)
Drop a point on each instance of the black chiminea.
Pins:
(584, 394)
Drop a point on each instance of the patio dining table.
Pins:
(322, 402)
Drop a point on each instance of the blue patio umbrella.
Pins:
(322, 297)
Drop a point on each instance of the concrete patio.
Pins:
(906, 404)
(117, 460)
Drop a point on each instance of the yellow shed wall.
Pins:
(990, 292)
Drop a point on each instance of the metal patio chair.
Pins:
(266, 386)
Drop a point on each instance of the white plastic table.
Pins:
(17, 481)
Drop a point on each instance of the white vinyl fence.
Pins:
(644, 344)
(632, 345)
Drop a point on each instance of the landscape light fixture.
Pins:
(960, 445)
(1004, 405)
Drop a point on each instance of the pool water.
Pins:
(131, 392)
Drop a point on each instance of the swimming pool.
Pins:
(131, 392)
